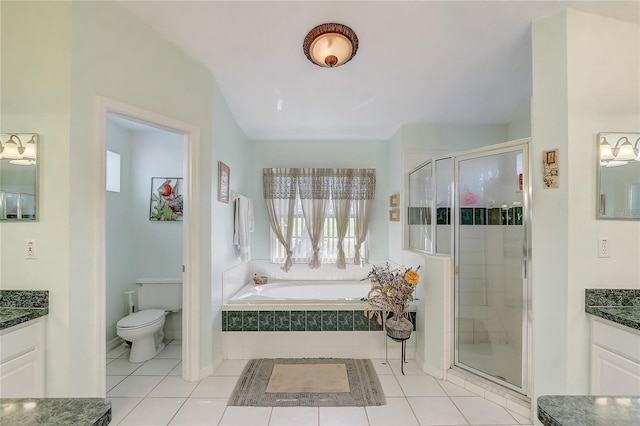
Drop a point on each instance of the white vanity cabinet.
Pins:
(615, 359)
(22, 371)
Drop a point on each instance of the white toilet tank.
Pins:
(160, 293)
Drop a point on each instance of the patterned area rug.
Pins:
(269, 383)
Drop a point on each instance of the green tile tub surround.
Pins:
(234, 321)
(250, 320)
(282, 320)
(298, 321)
(360, 321)
(301, 321)
(345, 320)
(314, 321)
(266, 321)
(329, 320)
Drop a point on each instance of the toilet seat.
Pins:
(141, 319)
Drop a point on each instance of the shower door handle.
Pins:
(523, 269)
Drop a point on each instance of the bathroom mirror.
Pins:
(618, 195)
(18, 176)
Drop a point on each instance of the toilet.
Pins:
(144, 327)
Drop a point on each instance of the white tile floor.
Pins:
(153, 393)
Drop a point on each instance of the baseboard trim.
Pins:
(173, 335)
(114, 343)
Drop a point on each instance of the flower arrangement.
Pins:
(392, 292)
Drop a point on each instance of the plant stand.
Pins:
(399, 331)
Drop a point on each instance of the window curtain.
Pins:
(314, 191)
(362, 197)
(279, 189)
(341, 188)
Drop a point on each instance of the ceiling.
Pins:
(418, 62)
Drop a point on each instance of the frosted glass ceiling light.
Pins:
(330, 45)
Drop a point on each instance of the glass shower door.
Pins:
(490, 265)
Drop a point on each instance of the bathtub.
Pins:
(303, 292)
(304, 319)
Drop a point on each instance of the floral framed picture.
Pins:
(223, 182)
(166, 199)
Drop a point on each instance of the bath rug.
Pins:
(320, 378)
(361, 388)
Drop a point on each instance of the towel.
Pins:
(243, 225)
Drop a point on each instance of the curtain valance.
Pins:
(319, 183)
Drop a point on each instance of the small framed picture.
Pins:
(394, 215)
(166, 199)
(223, 182)
(551, 166)
(394, 200)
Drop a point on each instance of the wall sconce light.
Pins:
(620, 152)
(23, 154)
(330, 45)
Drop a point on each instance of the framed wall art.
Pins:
(223, 182)
(394, 215)
(166, 199)
(551, 165)
(394, 200)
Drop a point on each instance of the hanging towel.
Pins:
(243, 225)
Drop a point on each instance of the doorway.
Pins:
(491, 337)
(139, 244)
(190, 259)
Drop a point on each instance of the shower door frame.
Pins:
(521, 145)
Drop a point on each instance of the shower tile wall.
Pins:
(489, 309)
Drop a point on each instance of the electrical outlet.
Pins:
(30, 250)
(603, 247)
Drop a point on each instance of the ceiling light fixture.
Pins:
(330, 45)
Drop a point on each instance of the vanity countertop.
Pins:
(55, 411)
(19, 306)
(621, 306)
(581, 410)
(14, 316)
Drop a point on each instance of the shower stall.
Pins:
(480, 200)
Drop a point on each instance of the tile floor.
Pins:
(153, 393)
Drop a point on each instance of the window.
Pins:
(301, 243)
(318, 214)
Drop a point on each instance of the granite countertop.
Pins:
(18, 306)
(55, 411)
(581, 410)
(621, 306)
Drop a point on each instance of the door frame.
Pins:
(527, 329)
(191, 363)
